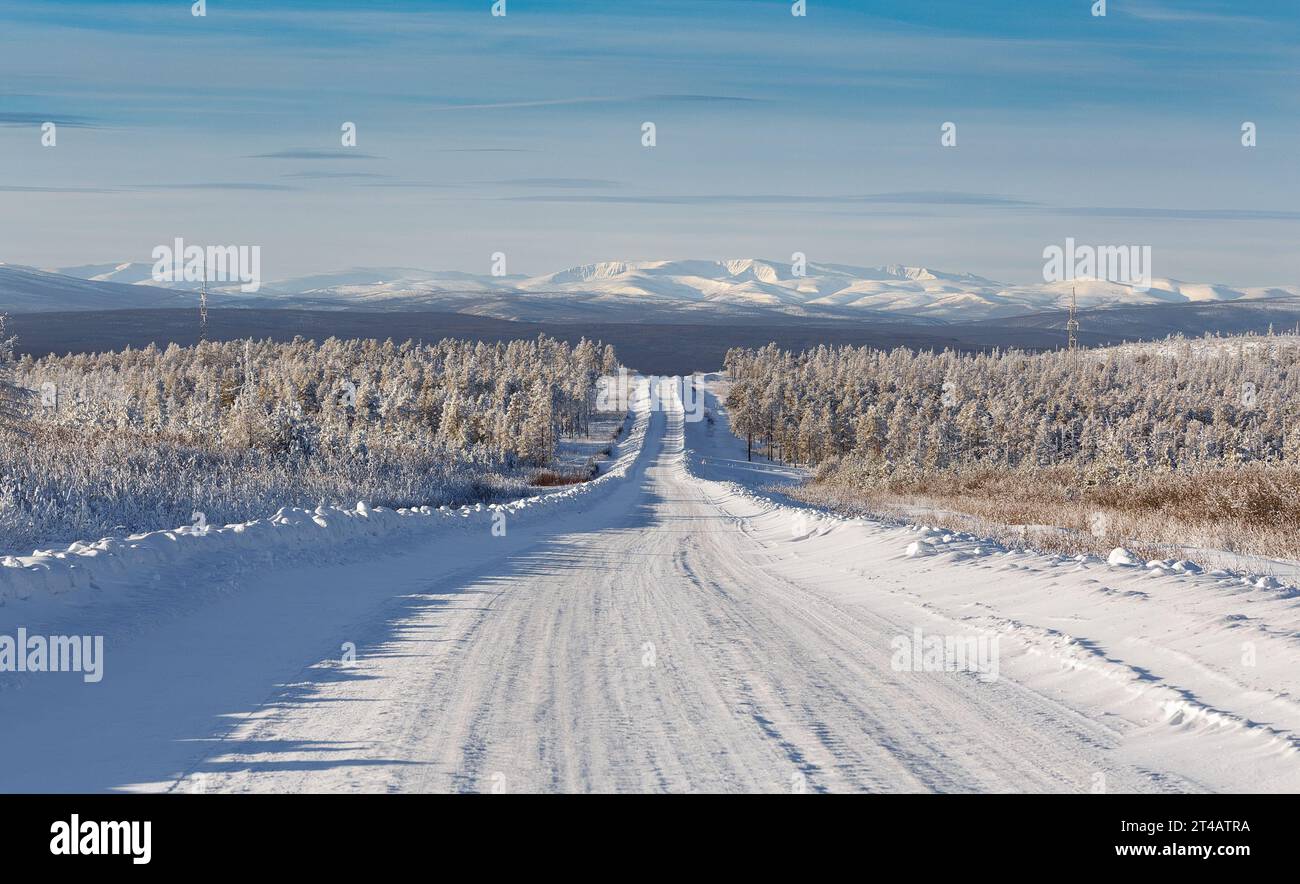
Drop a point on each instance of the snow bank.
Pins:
(971, 546)
(291, 535)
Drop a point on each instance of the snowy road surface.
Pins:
(673, 632)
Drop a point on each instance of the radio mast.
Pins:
(203, 304)
(1072, 327)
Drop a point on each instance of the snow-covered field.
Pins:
(663, 628)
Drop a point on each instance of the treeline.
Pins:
(1179, 406)
(501, 404)
(142, 439)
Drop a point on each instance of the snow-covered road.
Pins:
(671, 632)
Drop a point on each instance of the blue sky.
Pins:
(776, 134)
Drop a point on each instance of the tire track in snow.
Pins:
(762, 674)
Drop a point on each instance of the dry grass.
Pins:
(554, 479)
(1249, 510)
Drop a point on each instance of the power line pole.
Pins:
(1072, 327)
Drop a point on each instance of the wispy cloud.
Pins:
(707, 99)
(559, 183)
(15, 188)
(9, 118)
(213, 185)
(945, 198)
(594, 99)
(923, 198)
(937, 198)
(412, 185)
(309, 154)
(1179, 214)
(1156, 12)
(1137, 213)
(339, 175)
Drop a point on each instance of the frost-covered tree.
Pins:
(143, 437)
(15, 399)
(1181, 405)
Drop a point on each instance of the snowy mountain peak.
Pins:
(635, 290)
(903, 272)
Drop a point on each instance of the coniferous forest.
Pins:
(139, 439)
(1176, 444)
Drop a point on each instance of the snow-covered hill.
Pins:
(109, 287)
(744, 286)
(26, 290)
(635, 291)
(127, 273)
(750, 284)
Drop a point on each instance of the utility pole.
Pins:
(1072, 327)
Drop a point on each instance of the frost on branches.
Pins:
(1160, 447)
(1177, 406)
(144, 438)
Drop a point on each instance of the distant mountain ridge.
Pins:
(628, 291)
